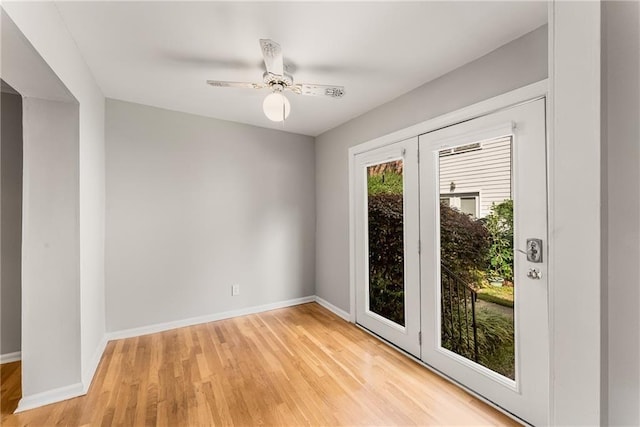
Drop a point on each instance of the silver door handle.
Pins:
(534, 250)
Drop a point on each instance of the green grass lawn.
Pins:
(495, 334)
(496, 342)
(497, 295)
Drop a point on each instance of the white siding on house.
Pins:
(485, 171)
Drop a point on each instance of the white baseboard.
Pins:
(161, 327)
(10, 357)
(51, 396)
(89, 371)
(338, 311)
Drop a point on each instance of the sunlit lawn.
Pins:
(497, 295)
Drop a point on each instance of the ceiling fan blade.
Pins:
(217, 83)
(318, 90)
(272, 54)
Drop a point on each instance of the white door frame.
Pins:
(578, 390)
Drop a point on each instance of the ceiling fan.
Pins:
(276, 106)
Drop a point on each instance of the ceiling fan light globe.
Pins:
(276, 107)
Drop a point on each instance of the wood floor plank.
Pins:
(296, 366)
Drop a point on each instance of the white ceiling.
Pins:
(161, 53)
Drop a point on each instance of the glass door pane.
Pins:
(385, 210)
(476, 254)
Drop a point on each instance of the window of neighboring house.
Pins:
(461, 149)
(468, 203)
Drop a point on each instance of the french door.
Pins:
(451, 253)
(387, 261)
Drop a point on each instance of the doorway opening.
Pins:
(11, 139)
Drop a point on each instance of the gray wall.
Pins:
(621, 146)
(195, 205)
(516, 64)
(51, 247)
(11, 246)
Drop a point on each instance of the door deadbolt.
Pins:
(534, 250)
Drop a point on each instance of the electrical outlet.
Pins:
(235, 290)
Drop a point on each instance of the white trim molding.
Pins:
(332, 308)
(10, 357)
(50, 396)
(90, 370)
(161, 327)
(575, 187)
(482, 108)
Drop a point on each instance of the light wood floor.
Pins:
(295, 366)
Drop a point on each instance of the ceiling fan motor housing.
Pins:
(276, 81)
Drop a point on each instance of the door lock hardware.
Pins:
(534, 274)
(534, 250)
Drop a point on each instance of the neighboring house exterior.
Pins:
(475, 176)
